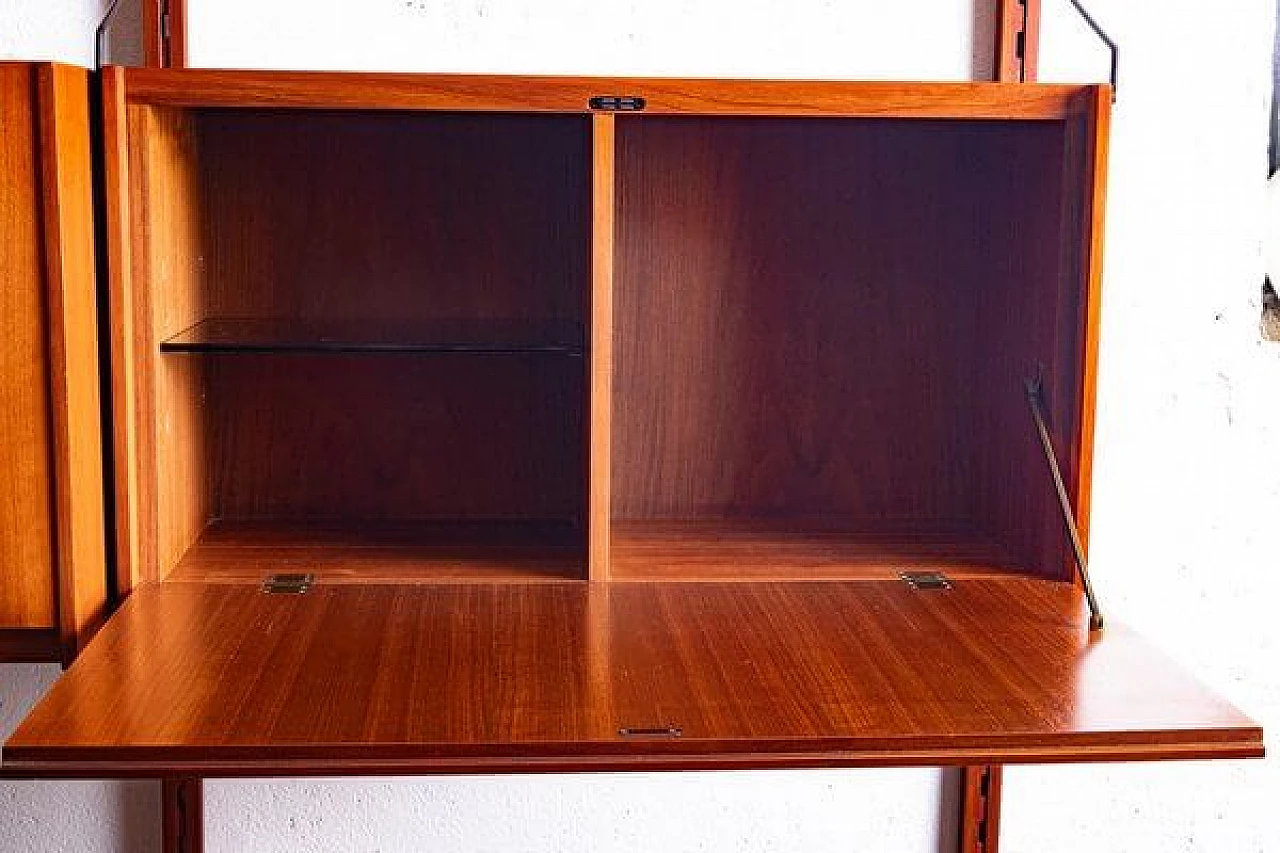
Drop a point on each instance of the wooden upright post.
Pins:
(1017, 40)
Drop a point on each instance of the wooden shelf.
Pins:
(440, 336)
(409, 552)
(762, 550)
(224, 680)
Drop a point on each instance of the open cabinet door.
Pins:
(224, 680)
(53, 579)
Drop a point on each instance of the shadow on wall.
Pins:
(950, 803)
(138, 807)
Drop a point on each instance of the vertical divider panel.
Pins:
(73, 353)
(600, 409)
(124, 416)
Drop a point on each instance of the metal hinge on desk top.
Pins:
(926, 580)
(287, 584)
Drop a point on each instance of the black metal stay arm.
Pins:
(1035, 398)
(1106, 39)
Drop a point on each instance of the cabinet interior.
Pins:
(821, 333)
(366, 343)
(367, 338)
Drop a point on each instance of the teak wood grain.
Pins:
(71, 269)
(397, 552)
(125, 399)
(217, 680)
(498, 93)
(795, 369)
(27, 578)
(1017, 40)
(407, 224)
(52, 539)
(600, 406)
(812, 322)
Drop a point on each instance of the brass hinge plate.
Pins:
(926, 580)
(651, 732)
(287, 584)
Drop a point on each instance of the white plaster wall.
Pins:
(1187, 486)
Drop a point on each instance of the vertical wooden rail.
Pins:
(164, 33)
(1017, 40)
(600, 409)
(1017, 50)
(183, 815)
(980, 818)
(164, 36)
(120, 328)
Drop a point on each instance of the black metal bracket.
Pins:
(617, 103)
(100, 32)
(1035, 399)
(1106, 39)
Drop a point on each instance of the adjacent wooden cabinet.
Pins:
(53, 576)
(525, 424)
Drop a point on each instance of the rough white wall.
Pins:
(1187, 487)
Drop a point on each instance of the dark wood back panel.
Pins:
(324, 215)
(372, 220)
(829, 319)
(793, 328)
(391, 437)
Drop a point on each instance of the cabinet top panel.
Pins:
(344, 90)
(224, 680)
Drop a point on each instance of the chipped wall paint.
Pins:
(1187, 483)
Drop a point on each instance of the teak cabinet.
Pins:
(598, 421)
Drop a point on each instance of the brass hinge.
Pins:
(653, 732)
(287, 584)
(926, 580)
(617, 103)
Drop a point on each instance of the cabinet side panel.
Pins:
(167, 199)
(1026, 320)
(121, 325)
(1094, 128)
(73, 348)
(26, 538)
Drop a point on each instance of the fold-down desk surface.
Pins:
(222, 679)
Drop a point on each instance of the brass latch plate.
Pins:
(926, 580)
(287, 584)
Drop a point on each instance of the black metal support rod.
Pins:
(100, 32)
(1035, 398)
(1106, 39)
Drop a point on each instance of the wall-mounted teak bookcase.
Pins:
(606, 416)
